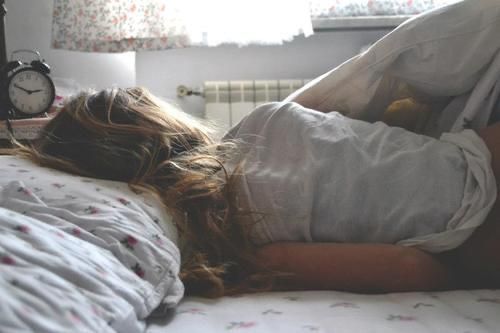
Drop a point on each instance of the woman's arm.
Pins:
(364, 268)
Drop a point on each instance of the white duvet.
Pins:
(80, 254)
(448, 58)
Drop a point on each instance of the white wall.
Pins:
(28, 25)
(163, 71)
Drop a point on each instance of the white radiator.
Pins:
(227, 102)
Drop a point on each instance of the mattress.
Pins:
(318, 311)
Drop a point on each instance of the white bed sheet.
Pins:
(318, 311)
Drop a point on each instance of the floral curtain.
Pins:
(347, 8)
(131, 25)
(116, 25)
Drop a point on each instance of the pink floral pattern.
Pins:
(138, 270)
(240, 324)
(123, 201)
(62, 237)
(76, 231)
(343, 8)
(91, 210)
(6, 260)
(23, 228)
(116, 25)
(130, 242)
(330, 311)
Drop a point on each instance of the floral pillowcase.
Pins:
(110, 254)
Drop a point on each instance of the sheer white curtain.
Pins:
(246, 22)
(125, 25)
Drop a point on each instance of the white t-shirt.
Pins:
(324, 177)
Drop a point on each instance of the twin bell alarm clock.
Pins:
(27, 90)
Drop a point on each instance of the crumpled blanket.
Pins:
(80, 254)
(447, 59)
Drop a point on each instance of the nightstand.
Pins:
(25, 130)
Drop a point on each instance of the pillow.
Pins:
(81, 251)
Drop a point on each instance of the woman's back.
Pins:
(325, 177)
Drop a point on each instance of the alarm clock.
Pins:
(28, 91)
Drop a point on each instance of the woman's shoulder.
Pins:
(272, 110)
(283, 109)
(253, 120)
(271, 114)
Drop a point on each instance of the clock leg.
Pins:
(3, 47)
(3, 61)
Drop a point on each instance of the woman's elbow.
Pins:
(420, 271)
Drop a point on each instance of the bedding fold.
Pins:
(80, 254)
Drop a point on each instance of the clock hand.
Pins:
(29, 92)
(23, 89)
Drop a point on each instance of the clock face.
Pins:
(30, 92)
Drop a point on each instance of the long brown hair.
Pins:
(131, 136)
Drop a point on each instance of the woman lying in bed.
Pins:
(292, 198)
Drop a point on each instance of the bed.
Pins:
(320, 311)
(87, 255)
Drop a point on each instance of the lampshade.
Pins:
(117, 25)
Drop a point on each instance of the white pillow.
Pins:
(76, 250)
